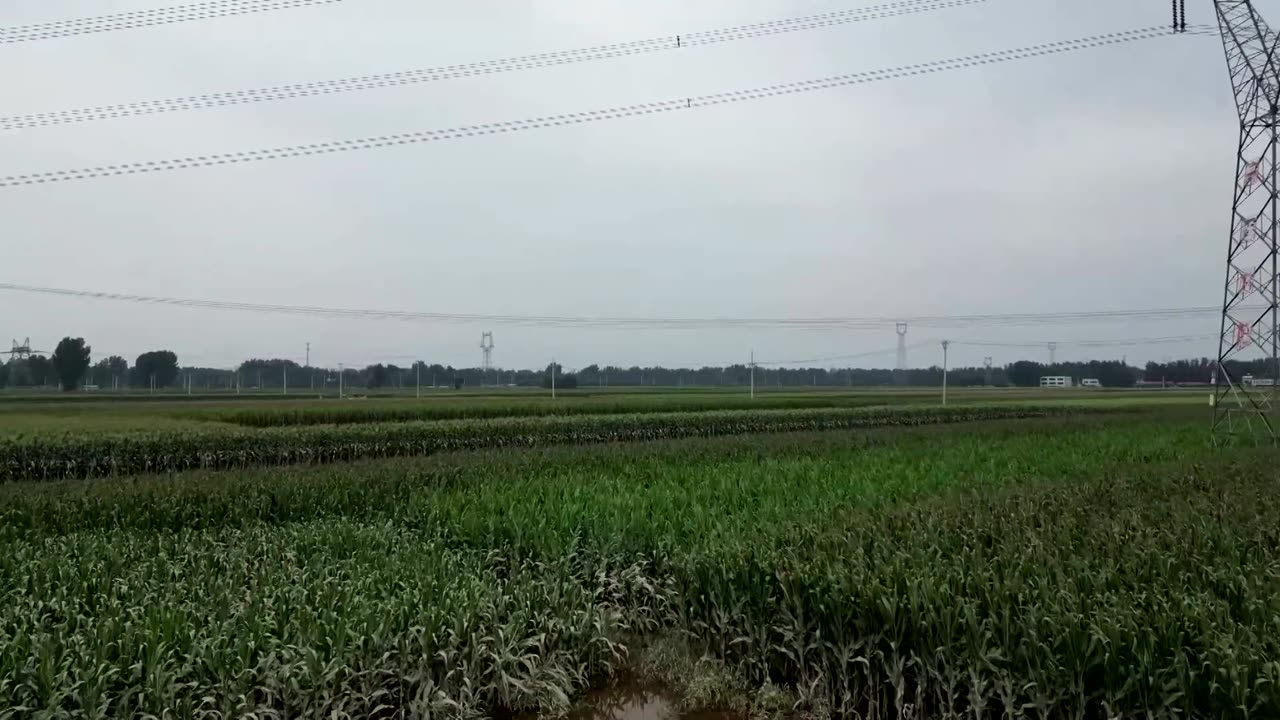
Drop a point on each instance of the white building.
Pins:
(1055, 381)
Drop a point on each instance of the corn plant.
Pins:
(97, 455)
(1068, 566)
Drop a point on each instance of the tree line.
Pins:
(70, 367)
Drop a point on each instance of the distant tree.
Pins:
(274, 372)
(458, 382)
(19, 373)
(562, 381)
(39, 369)
(100, 374)
(160, 366)
(108, 371)
(1025, 373)
(1180, 371)
(4, 374)
(395, 375)
(376, 376)
(117, 368)
(70, 361)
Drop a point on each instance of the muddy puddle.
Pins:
(636, 702)
(628, 699)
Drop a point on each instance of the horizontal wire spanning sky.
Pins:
(1091, 180)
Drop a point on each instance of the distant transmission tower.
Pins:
(901, 367)
(1249, 317)
(986, 363)
(486, 350)
(20, 351)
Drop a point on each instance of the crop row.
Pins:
(1069, 569)
(322, 620)
(85, 456)
(336, 413)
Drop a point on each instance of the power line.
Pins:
(1119, 342)
(548, 121)
(148, 18)
(1129, 342)
(833, 358)
(526, 62)
(832, 323)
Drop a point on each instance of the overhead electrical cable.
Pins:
(1128, 342)
(526, 62)
(854, 356)
(666, 106)
(653, 323)
(148, 18)
(1119, 342)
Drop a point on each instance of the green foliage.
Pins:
(333, 619)
(109, 372)
(269, 373)
(1111, 373)
(54, 457)
(70, 361)
(377, 376)
(516, 406)
(36, 371)
(1100, 566)
(160, 366)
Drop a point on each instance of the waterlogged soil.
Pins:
(630, 699)
(623, 703)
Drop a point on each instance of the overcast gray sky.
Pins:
(1094, 180)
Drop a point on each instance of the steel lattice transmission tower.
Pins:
(900, 369)
(1249, 317)
(486, 349)
(20, 352)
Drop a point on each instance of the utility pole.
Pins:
(284, 367)
(311, 374)
(341, 372)
(753, 374)
(901, 365)
(553, 378)
(945, 344)
(417, 379)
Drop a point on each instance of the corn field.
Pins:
(1046, 566)
(404, 411)
(88, 455)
